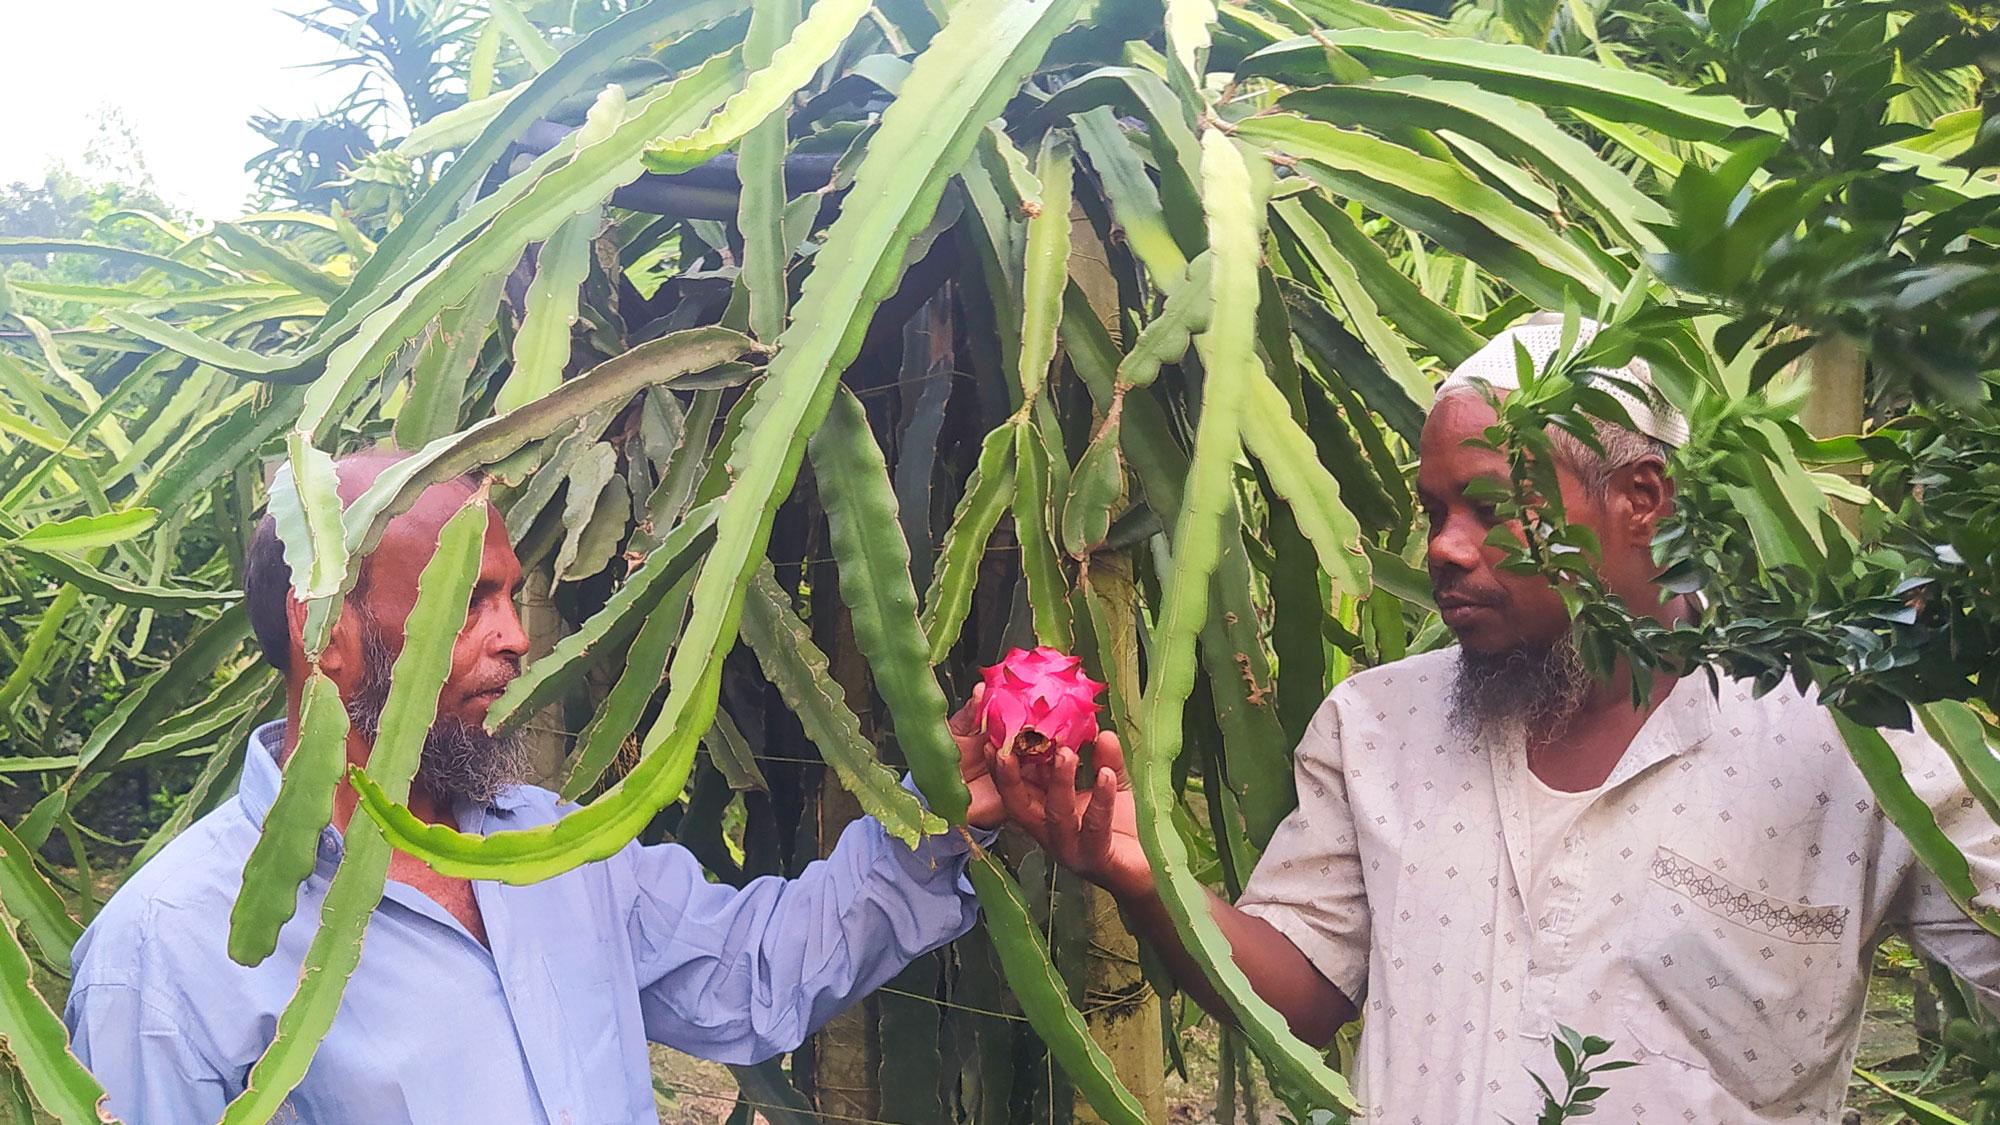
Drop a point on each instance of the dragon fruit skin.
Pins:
(1041, 693)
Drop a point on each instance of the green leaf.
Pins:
(875, 586)
(81, 533)
(289, 845)
(595, 509)
(579, 184)
(34, 656)
(607, 630)
(1966, 738)
(164, 692)
(92, 580)
(444, 590)
(444, 364)
(609, 384)
(1041, 567)
(989, 493)
(1095, 490)
(732, 756)
(255, 255)
(219, 450)
(578, 70)
(1231, 649)
(39, 1044)
(799, 670)
(760, 208)
(1350, 362)
(1908, 812)
(532, 46)
(1166, 337)
(1176, 152)
(1558, 81)
(1044, 998)
(308, 518)
(645, 660)
(542, 345)
(24, 894)
(241, 361)
(1135, 201)
(1368, 287)
(1515, 128)
(1440, 199)
(1227, 346)
(1357, 297)
(813, 43)
(1007, 168)
(117, 255)
(1046, 270)
(1289, 459)
(1922, 1112)
(969, 72)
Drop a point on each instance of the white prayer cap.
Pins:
(1494, 366)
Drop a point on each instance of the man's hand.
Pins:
(986, 810)
(1094, 833)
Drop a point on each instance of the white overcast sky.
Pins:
(183, 74)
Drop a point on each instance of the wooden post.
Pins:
(542, 736)
(1837, 403)
(846, 1062)
(1121, 1009)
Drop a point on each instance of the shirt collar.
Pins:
(258, 789)
(1682, 723)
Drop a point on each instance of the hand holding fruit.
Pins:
(1037, 709)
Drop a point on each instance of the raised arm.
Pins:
(1094, 833)
(741, 975)
(1921, 909)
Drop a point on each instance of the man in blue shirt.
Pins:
(477, 1001)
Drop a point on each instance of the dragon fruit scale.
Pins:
(1037, 700)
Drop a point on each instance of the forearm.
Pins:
(740, 975)
(1278, 971)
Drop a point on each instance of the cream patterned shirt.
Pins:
(1712, 910)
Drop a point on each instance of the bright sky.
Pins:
(183, 74)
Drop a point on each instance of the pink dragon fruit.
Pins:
(1036, 701)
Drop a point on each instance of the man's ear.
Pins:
(337, 658)
(1647, 493)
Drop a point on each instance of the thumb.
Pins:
(966, 721)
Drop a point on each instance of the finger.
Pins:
(1059, 804)
(1094, 838)
(1110, 754)
(1039, 769)
(966, 721)
(1021, 800)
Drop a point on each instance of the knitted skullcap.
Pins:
(1494, 366)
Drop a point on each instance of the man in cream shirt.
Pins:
(1489, 843)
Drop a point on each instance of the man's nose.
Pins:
(509, 639)
(1455, 546)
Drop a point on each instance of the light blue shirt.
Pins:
(549, 1024)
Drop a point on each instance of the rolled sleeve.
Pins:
(1309, 884)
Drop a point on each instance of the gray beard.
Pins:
(1532, 690)
(461, 761)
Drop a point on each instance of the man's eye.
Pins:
(1488, 514)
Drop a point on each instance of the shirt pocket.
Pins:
(1736, 982)
(588, 1007)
